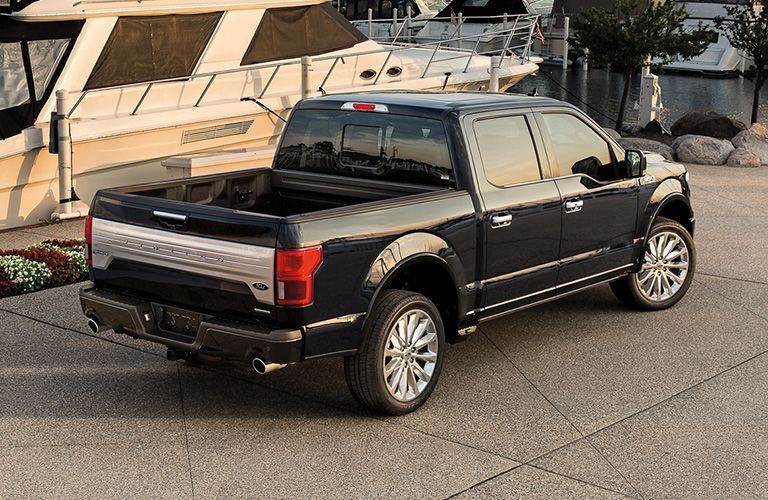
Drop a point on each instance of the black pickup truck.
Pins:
(390, 225)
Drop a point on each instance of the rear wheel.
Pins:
(666, 273)
(399, 361)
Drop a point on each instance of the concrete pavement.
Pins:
(577, 398)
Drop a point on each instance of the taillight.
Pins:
(295, 275)
(89, 240)
(365, 106)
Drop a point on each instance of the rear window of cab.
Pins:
(375, 145)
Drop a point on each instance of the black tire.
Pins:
(627, 289)
(364, 371)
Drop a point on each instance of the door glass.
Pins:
(44, 56)
(13, 79)
(507, 150)
(578, 148)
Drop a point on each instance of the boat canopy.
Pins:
(289, 32)
(479, 11)
(32, 56)
(146, 48)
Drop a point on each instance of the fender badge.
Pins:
(261, 286)
(648, 179)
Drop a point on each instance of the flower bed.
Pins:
(45, 265)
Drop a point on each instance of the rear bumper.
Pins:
(214, 336)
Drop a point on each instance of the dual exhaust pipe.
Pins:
(262, 367)
(259, 365)
(95, 326)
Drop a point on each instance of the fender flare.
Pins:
(406, 251)
(661, 205)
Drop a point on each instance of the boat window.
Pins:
(32, 56)
(290, 32)
(13, 79)
(44, 56)
(380, 146)
(147, 48)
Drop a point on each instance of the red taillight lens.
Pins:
(89, 240)
(295, 275)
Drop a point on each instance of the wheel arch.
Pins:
(676, 207)
(426, 264)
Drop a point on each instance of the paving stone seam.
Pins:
(585, 482)
(65, 328)
(503, 473)
(281, 391)
(455, 495)
(731, 278)
(553, 405)
(390, 422)
(186, 434)
(739, 304)
(659, 403)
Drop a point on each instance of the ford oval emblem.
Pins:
(261, 286)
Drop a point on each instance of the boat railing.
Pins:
(516, 37)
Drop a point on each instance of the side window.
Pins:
(13, 80)
(289, 32)
(507, 150)
(578, 149)
(146, 48)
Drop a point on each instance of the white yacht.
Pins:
(477, 23)
(357, 11)
(720, 58)
(153, 79)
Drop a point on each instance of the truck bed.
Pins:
(277, 193)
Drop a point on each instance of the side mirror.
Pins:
(635, 163)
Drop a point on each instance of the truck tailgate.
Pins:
(207, 258)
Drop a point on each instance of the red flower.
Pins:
(64, 243)
(63, 269)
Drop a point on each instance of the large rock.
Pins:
(612, 133)
(754, 140)
(707, 123)
(655, 127)
(742, 158)
(702, 150)
(647, 145)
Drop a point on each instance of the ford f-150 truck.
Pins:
(390, 225)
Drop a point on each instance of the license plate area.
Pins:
(177, 322)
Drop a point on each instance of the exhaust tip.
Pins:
(259, 366)
(93, 325)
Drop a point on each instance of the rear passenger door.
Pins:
(599, 210)
(521, 210)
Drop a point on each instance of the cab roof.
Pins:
(432, 103)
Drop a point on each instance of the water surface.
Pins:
(680, 93)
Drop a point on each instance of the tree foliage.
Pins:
(629, 37)
(747, 30)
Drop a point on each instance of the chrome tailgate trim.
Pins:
(249, 264)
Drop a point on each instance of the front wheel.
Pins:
(666, 273)
(399, 361)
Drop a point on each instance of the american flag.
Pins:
(537, 32)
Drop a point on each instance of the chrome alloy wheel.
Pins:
(665, 267)
(410, 355)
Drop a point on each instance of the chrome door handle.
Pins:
(501, 220)
(573, 206)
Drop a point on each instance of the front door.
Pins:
(599, 210)
(521, 211)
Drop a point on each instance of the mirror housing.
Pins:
(635, 163)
